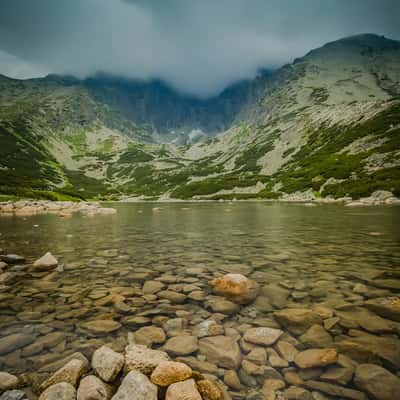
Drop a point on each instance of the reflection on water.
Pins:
(301, 255)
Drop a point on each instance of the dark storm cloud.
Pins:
(198, 46)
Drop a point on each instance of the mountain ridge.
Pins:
(325, 125)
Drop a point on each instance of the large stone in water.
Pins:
(297, 320)
(315, 358)
(181, 345)
(221, 350)
(45, 263)
(149, 335)
(136, 386)
(236, 287)
(107, 363)
(15, 341)
(262, 336)
(378, 382)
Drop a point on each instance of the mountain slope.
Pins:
(326, 125)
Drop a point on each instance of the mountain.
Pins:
(326, 125)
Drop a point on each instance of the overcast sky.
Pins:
(197, 46)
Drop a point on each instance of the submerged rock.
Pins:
(378, 382)
(101, 326)
(45, 263)
(221, 350)
(262, 336)
(15, 341)
(209, 390)
(236, 287)
(181, 345)
(297, 320)
(315, 358)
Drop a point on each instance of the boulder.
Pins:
(186, 390)
(136, 386)
(262, 336)
(169, 372)
(59, 391)
(93, 388)
(236, 287)
(107, 363)
(377, 382)
(45, 263)
(297, 320)
(221, 350)
(143, 359)
(181, 345)
(69, 373)
(315, 358)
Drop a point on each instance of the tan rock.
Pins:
(168, 372)
(45, 263)
(232, 380)
(101, 326)
(262, 336)
(315, 358)
(186, 390)
(149, 335)
(181, 345)
(70, 373)
(93, 388)
(209, 390)
(236, 287)
(8, 381)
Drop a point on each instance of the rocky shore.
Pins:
(60, 208)
(201, 335)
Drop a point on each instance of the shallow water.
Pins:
(315, 253)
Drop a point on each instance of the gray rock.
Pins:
(107, 363)
(136, 386)
(13, 395)
(12, 258)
